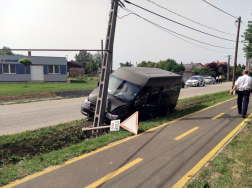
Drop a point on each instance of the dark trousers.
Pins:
(243, 101)
(220, 81)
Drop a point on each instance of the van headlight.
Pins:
(87, 103)
(111, 116)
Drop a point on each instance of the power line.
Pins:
(240, 54)
(189, 19)
(220, 9)
(167, 30)
(178, 22)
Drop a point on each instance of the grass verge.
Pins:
(233, 165)
(48, 146)
(12, 89)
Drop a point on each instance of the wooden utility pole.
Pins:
(236, 50)
(101, 101)
(228, 67)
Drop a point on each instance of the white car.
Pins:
(209, 80)
(195, 81)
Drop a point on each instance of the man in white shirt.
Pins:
(244, 84)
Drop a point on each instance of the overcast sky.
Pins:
(82, 24)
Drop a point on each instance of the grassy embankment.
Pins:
(32, 151)
(12, 89)
(232, 167)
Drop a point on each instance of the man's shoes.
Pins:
(243, 116)
(239, 112)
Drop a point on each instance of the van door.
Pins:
(152, 99)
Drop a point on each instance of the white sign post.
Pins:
(115, 125)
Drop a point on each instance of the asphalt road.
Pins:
(158, 158)
(29, 116)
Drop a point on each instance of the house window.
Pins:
(9, 69)
(53, 69)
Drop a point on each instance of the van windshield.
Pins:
(122, 89)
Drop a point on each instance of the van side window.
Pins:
(154, 97)
(170, 91)
(144, 95)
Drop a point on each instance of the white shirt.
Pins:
(217, 78)
(244, 82)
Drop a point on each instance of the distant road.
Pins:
(28, 116)
(194, 91)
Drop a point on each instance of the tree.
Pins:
(6, 51)
(212, 73)
(178, 68)
(146, 64)
(83, 58)
(127, 64)
(196, 71)
(142, 64)
(26, 62)
(220, 71)
(204, 71)
(98, 60)
(213, 67)
(248, 41)
(91, 66)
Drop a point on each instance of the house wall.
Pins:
(199, 66)
(19, 76)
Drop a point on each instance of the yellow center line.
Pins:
(234, 107)
(113, 174)
(182, 182)
(186, 133)
(218, 116)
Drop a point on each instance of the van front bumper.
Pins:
(87, 111)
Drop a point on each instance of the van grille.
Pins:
(92, 106)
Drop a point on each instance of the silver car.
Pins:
(209, 80)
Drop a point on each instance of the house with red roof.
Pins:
(189, 66)
(218, 63)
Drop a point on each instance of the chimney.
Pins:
(191, 62)
(29, 53)
(217, 62)
(181, 63)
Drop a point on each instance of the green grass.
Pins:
(11, 89)
(232, 167)
(51, 139)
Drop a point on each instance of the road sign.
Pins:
(115, 125)
(131, 124)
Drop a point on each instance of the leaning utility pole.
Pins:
(106, 66)
(228, 67)
(236, 50)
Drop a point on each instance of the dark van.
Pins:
(150, 91)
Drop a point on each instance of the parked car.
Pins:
(146, 90)
(195, 81)
(209, 80)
